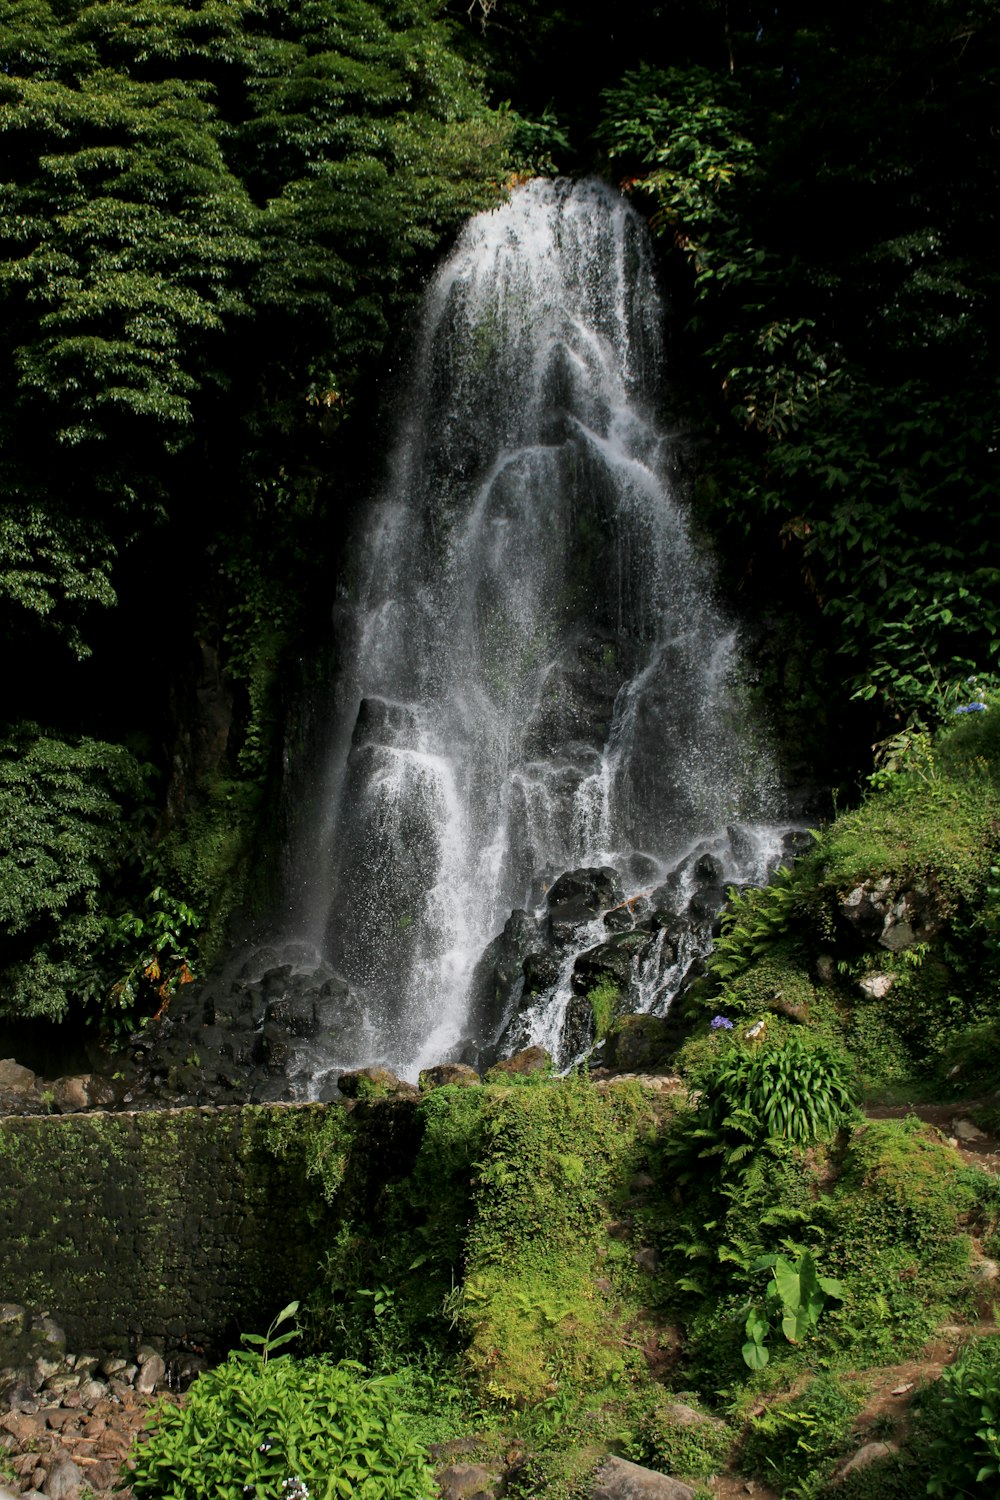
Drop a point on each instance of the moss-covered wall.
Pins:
(183, 1226)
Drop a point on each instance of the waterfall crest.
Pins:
(534, 676)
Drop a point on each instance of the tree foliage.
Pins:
(206, 216)
(211, 219)
(832, 193)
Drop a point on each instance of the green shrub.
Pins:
(794, 1089)
(754, 920)
(387, 1284)
(279, 1428)
(65, 832)
(677, 1438)
(776, 981)
(604, 1000)
(896, 1236)
(961, 1413)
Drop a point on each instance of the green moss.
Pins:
(553, 1163)
(161, 1221)
(604, 1000)
(897, 1236)
(912, 829)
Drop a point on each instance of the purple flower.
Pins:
(971, 708)
(721, 1023)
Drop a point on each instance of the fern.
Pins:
(754, 920)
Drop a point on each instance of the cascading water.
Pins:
(534, 676)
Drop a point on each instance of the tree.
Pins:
(832, 196)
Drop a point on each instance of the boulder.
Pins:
(876, 986)
(896, 920)
(637, 1042)
(19, 1088)
(529, 1060)
(369, 1083)
(448, 1073)
(869, 1454)
(65, 1480)
(463, 1481)
(612, 960)
(15, 1077)
(70, 1094)
(617, 1479)
(500, 979)
(580, 896)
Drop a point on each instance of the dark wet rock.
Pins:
(580, 1029)
(499, 978)
(613, 960)
(297, 1014)
(796, 842)
(620, 918)
(706, 904)
(709, 870)
(578, 897)
(637, 1042)
(541, 970)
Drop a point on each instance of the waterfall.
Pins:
(534, 678)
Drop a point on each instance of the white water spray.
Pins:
(535, 677)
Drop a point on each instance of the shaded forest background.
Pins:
(214, 219)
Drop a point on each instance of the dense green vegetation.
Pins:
(555, 1269)
(832, 193)
(211, 219)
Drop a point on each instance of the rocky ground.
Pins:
(68, 1421)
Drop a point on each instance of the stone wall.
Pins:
(178, 1226)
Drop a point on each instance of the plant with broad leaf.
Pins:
(262, 1345)
(797, 1294)
(964, 1407)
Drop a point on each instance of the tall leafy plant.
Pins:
(794, 1090)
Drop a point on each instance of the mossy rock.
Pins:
(445, 1074)
(372, 1083)
(635, 1043)
(524, 1064)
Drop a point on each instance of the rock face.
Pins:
(611, 953)
(243, 1036)
(876, 911)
